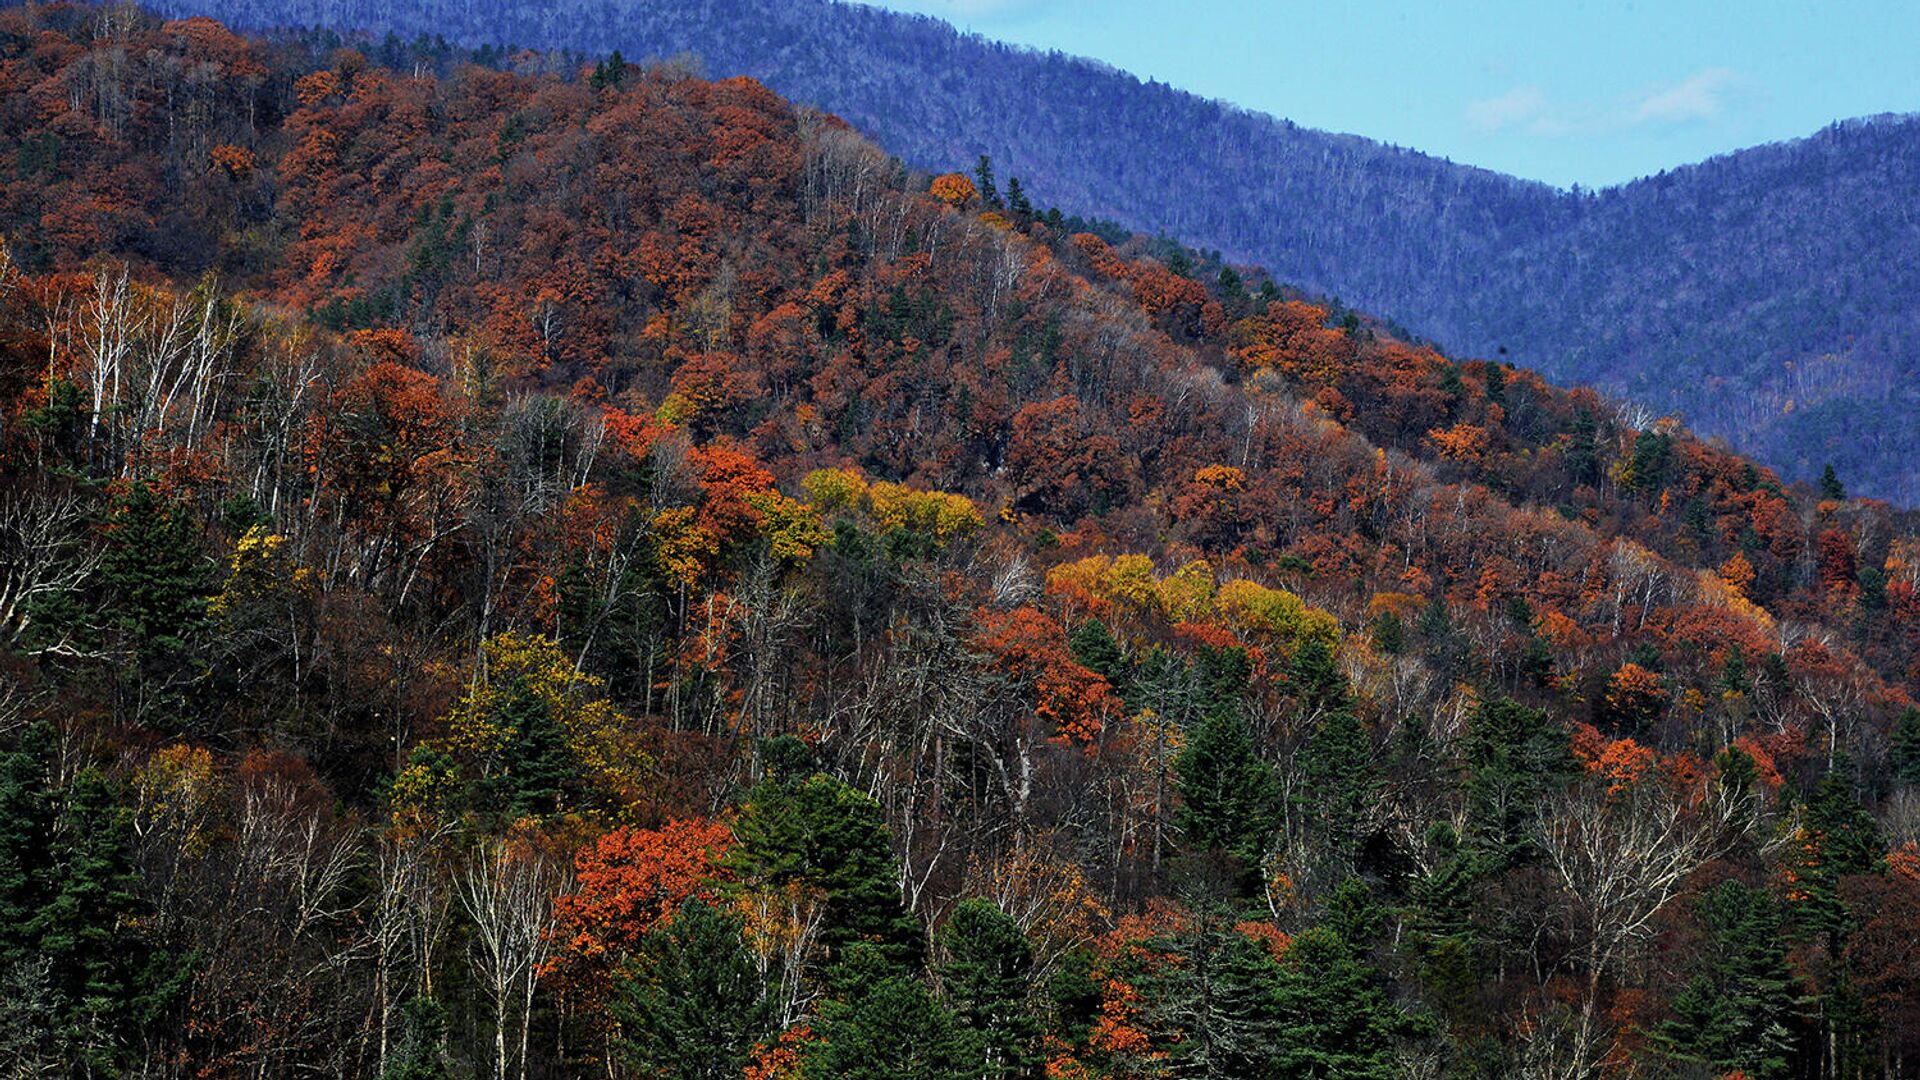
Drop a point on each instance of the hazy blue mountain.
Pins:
(1768, 295)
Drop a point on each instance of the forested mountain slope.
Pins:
(1767, 295)
(598, 572)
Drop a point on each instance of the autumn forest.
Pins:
(521, 566)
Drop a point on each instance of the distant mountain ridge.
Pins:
(1767, 295)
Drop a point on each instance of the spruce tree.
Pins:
(1315, 680)
(1096, 650)
(988, 978)
(1229, 797)
(1904, 753)
(1017, 200)
(690, 1003)
(820, 833)
(110, 983)
(1341, 782)
(983, 180)
(1742, 1009)
(1334, 1017)
(156, 592)
(26, 827)
(1831, 488)
(1583, 454)
(154, 574)
(1216, 997)
(1837, 837)
(540, 768)
(880, 1022)
(420, 1050)
(1513, 755)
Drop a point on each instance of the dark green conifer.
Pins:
(880, 1022)
(1904, 753)
(690, 1003)
(988, 978)
(821, 833)
(1830, 486)
(1230, 798)
(1742, 1009)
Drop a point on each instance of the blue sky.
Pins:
(1556, 90)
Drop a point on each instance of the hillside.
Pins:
(1765, 294)
(565, 572)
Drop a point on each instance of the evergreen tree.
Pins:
(1831, 488)
(1017, 200)
(1314, 678)
(1904, 754)
(1229, 797)
(156, 592)
(1388, 633)
(881, 1023)
(420, 1051)
(1513, 755)
(1583, 455)
(1216, 998)
(1647, 469)
(1095, 649)
(110, 983)
(1352, 913)
(1334, 1018)
(1837, 837)
(1742, 1009)
(1341, 783)
(1223, 677)
(983, 180)
(155, 577)
(988, 978)
(26, 826)
(540, 771)
(690, 1003)
(819, 832)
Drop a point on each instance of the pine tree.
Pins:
(983, 180)
(690, 1004)
(155, 577)
(1831, 488)
(821, 833)
(1837, 837)
(1017, 200)
(111, 984)
(1742, 1009)
(1341, 782)
(420, 1051)
(1216, 999)
(881, 1023)
(988, 978)
(1904, 754)
(1096, 650)
(1334, 1018)
(26, 827)
(156, 592)
(1223, 678)
(1315, 680)
(1230, 798)
(1388, 634)
(540, 771)
(1513, 754)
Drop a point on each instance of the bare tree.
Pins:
(507, 889)
(1620, 854)
(44, 553)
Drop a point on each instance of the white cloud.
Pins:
(1511, 109)
(1700, 96)
(1703, 95)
